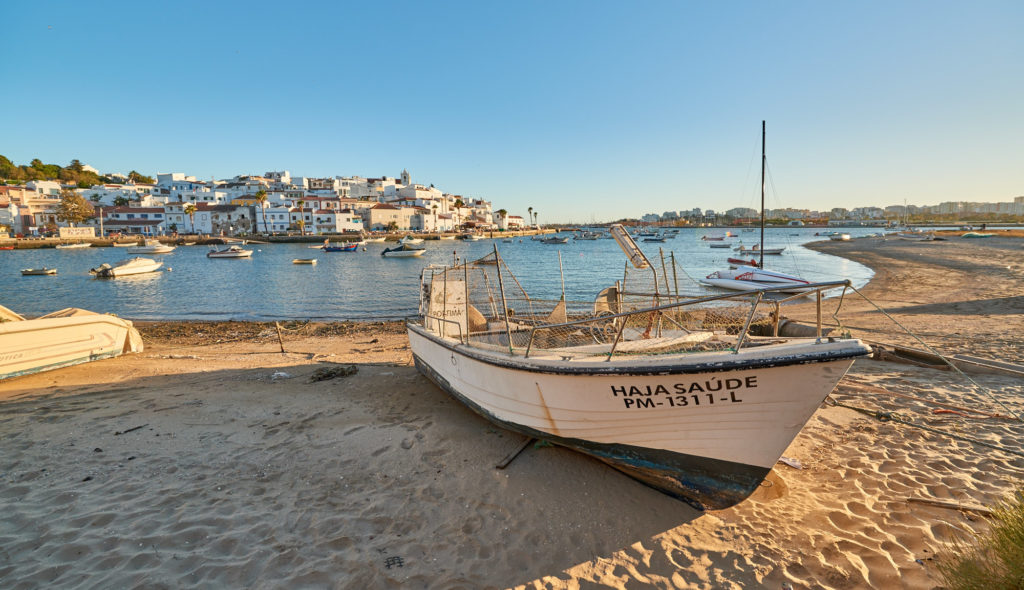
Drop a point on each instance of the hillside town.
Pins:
(274, 203)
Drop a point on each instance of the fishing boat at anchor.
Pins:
(403, 251)
(697, 397)
(127, 267)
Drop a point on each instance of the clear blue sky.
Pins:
(580, 109)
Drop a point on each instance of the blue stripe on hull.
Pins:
(707, 484)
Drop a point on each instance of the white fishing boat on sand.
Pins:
(129, 266)
(62, 338)
(681, 394)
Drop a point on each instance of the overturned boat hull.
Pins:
(702, 427)
(61, 339)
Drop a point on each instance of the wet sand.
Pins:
(214, 460)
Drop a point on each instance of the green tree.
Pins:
(138, 178)
(261, 198)
(190, 210)
(302, 220)
(74, 208)
(121, 201)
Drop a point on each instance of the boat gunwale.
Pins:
(613, 368)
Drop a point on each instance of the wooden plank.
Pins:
(515, 453)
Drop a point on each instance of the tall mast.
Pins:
(762, 194)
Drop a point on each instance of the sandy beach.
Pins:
(214, 460)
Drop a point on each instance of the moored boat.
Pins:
(230, 252)
(554, 240)
(839, 237)
(73, 246)
(304, 261)
(410, 240)
(680, 395)
(129, 266)
(403, 251)
(151, 247)
(38, 271)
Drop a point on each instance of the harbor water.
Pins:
(363, 285)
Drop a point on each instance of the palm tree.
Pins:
(261, 198)
(302, 222)
(190, 210)
(503, 214)
(458, 211)
(529, 214)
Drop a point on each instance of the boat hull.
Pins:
(32, 346)
(707, 433)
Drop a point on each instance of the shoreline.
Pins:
(214, 459)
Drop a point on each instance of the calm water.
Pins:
(358, 285)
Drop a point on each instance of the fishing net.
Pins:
(483, 304)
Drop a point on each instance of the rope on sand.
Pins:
(883, 416)
(933, 351)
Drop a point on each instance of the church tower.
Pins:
(405, 177)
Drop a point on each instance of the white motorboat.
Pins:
(151, 247)
(410, 240)
(73, 246)
(403, 251)
(125, 244)
(446, 238)
(304, 261)
(129, 266)
(757, 250)
(230, 252)
(28, 272)
(62, 338)
(372, 240)
(554, 240)
(680, 394)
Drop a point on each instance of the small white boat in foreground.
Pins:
(230, 252)
(130, 266)
(62, 338)
(681, 395)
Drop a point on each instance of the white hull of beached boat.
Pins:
(63, 338)
(703, 427)
(132, 266)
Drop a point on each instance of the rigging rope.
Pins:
(944, 359)
(883, 416)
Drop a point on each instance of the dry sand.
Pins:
(212, 461)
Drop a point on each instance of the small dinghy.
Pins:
(304, 261)
(29, 272)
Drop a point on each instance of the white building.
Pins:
(273, 219)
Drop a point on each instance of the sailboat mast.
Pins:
(762, 194)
